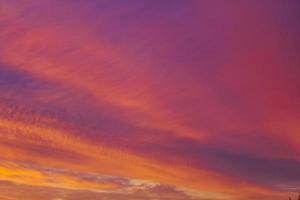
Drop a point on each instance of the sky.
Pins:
(149, 99)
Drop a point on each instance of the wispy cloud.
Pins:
(149, 99)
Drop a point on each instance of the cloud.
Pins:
(20, 178)
(149, 99)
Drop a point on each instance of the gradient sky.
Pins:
(149, 99)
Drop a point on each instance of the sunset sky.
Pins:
(149, 99)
